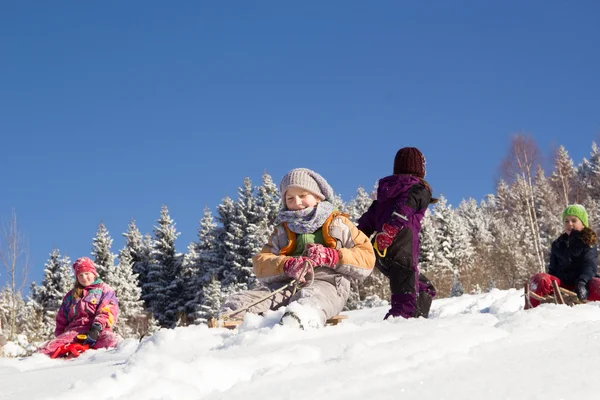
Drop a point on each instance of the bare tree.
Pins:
(14, 255)
(521, 161)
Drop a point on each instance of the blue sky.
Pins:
(109, 110)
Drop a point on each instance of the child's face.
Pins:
(573, 223)
(298, 199)
(86, 278)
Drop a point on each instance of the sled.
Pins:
(71, 350)
(233, 323)
(559, 296)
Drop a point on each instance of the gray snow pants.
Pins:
(327, 294)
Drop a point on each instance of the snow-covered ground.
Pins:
(473, 347)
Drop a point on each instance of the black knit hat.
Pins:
(409, 160)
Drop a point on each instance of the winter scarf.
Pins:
(307, 220)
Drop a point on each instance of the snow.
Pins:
(473, 347)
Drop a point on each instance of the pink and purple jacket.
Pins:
(98, 303)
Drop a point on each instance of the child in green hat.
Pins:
(573, 259)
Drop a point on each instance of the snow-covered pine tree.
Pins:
(590, 172)
(20, 308)
(476, 220)
(268, 204)
(29, 322)
(428, 256)
(58, 280)
(359, 204)
(562, 177)
(454, 242)
(33, 322)
(477, 224)
(125, 284)
(6, 299)
(226, 213)
(203, 262)
(101, 252)
(240, 242)
(338, 202)
(164, 276)
(211, 304)
(588, 187)
(140, 249)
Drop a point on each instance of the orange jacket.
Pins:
(356, 255)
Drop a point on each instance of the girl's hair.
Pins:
(77, 289)
(589, 236)
(428, 187)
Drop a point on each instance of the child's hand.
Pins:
(582, 291)
(293, 268)
(322, 255)
(385, 238)
(92, 334)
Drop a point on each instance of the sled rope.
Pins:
(213, 322)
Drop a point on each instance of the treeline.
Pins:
(495, 243)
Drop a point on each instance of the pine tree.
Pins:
(125, 284)
(338, 202)
(29, 322)
(58, 280)
(203, 263)
(562, 177)
(211, 304)
(454, 244)
(252, 236)
(239, 242)
(477, 224)
(33, 318)
(359, 205)
(226, 213)
(268, 204)
(164, 276)
(6, 300)
(7, 307)
(428, 262)
(140, 249)
(592, 172)
(103, 258)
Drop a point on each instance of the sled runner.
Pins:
(233, 323)
(559, 296)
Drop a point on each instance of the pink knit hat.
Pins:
(84, 264)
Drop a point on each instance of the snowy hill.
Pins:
(473, 347)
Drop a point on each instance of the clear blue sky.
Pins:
(110, 109)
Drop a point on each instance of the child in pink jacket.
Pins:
(90, 308)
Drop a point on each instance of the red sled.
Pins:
(71, 350)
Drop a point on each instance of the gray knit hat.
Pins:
(306, 179)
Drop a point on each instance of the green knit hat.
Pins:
(576, 210)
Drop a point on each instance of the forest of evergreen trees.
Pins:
(497, 242)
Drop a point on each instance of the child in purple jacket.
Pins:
(396, 215)
(90, 308)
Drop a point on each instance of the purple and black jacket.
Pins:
(401, 201)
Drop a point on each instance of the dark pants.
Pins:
(412, 292)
